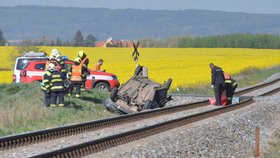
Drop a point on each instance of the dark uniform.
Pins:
(218, 80)
(57, 88)
(46, 85)
(230, 86)
(85, 62)
(63, 67)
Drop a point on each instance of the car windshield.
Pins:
(23, 63)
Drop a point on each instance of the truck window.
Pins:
(40, 66)
(22, 63)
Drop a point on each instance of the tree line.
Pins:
(78, 41)
(238, 40)
(266, 41)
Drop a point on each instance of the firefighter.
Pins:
(61, 63)
(46, 84)
(230, 86)
(98, 65)
(75, 76)
(52, 58)
(84, 61)
(57, 87)
(217, 82)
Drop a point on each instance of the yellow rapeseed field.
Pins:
(184, 65)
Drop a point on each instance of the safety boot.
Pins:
(61, 105)
(52, 105)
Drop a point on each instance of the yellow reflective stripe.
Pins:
(57, 80)
(235, 83)
(227, 81)
(63, 70)
(43, 88)
(47, 86)
(54, 76)
(57, 87)
(46, 81)
(76, 70)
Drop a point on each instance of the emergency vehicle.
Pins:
(33, 69)
(22, 62)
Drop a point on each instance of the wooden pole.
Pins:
(257, 145)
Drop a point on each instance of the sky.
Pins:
(245, 6)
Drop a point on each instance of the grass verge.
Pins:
(21, 109)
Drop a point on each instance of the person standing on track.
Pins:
(217, 82)
(230, 86)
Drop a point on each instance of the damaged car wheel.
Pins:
(113, 95)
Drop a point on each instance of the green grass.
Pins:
(247, 77)
(21, 109)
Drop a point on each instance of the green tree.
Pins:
(2, 39)
(90, 41)
(78, 39)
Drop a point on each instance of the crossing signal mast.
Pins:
(135, 53)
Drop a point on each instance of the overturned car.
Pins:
(138, 93)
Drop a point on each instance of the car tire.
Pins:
(102, 86)
(168, 83)
(138, 70)
(113, 95)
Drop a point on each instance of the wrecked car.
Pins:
(138, 93)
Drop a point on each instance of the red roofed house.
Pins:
(114, 43)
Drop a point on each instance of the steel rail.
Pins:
(240, 92)
(94, 146)
(58, 132)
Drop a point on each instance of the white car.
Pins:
(22, 62)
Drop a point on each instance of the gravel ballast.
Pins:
(228, 135)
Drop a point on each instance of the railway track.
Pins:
(126, 137)
(44, 135)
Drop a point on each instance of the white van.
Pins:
(22, 62)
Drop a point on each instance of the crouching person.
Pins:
(75, 75)
(46, 84)
(57, 88)
(230, 86)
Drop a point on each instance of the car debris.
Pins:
(138, 93)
